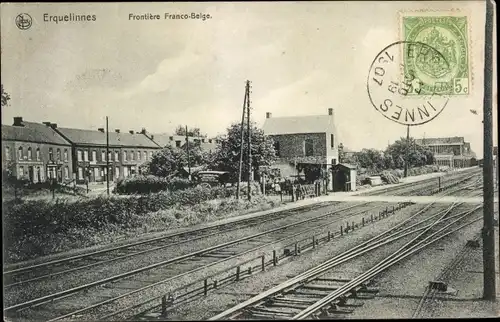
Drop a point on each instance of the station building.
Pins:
(305, 145)
(454, 152)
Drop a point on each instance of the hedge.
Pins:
(24, 218)
(150, 184)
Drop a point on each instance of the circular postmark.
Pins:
(401, 87)
(24, 21)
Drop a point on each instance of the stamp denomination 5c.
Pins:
(448, 35)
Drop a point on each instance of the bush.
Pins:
(142, 184)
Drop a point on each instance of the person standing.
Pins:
(277, 189)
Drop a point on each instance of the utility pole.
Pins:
(241, 143)
(187, 147)
(249, 141)
(107, 156)
(489, 276)
(407, 154)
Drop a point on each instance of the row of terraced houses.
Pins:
(41, 151)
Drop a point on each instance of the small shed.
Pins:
(344, 177)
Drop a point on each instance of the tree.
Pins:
(5, 97)
(227, 153)
(181, 130)
(417, 154)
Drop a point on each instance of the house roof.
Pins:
(95, 137)
(163, 139)
(32, 132)
(441, 141)
(298, 124)
(345, 165)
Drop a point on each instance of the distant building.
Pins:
(178, 141)
(303, 141)
(35, 152)
(127, 150)
(454, 152)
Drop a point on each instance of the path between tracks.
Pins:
(397, 199)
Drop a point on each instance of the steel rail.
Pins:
(141, 252)
(360, 249)
(163, 263)
(378, 268)
(152, 240)
(197, 269)
(303, 276)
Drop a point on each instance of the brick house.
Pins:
(303, 140)
(126, 152)
(454, 152)
(35, 152)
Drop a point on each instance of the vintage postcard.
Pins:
(249, 160)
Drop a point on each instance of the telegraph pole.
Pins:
(249, 141)
(241, 144)
(187, 146)
(407, 157)
(107, 156)
(489, 276)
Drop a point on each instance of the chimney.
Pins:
(131, 131)
(203, 140)
(152, 136)
(268, 115)
(53, 125)
(143, 131)
(330, 111)
(117, 130)
(46, 123)
(209, 140)
(18, 121)
(171, 138)
(101, 129)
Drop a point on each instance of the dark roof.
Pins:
(32, 132)
(441, 141)
(163, 139)
(345, 165)
(299, 124)
(96, 137)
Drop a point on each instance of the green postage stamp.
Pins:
(446, 70)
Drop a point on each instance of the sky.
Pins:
(302, 58)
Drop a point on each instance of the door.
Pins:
(31, 174)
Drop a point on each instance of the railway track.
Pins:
(18, 275)
(161, 272)
(311, 295)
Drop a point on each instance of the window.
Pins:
(94, 155)
(38, 155)
(85, 155)
(40, 174)
(58, 154)
(132, 155)
(66, 155)
(125, 172)
(7, 153)
(117, 172)
(150, 154)
(20, 153)
(109, 156)
(308, 147)
(96, 173)
(21, 172)
(80, 173)
(79, 155)
(103, 156)
(29, 153)
(139, 155)
(277, 148)
(124, 155)
(144, 155)
(116, 155)
(178, 144)
(51, 154)
(66, 173)
(332, 145)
